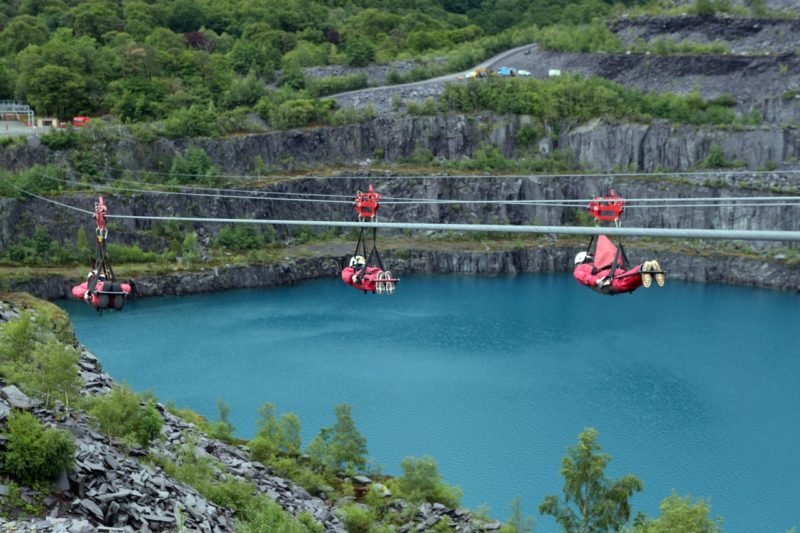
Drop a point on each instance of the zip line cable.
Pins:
(785, 201)
(760, 235)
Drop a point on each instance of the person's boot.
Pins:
(647, 279)
(660, 277)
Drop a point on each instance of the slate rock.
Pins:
(92, 507)
(62, 483)
(16, 398)
(301, 493)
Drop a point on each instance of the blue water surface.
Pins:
(693, 388)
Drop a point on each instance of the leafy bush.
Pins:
(357, 519)
(584, 38)
(196, 121)
(246, 91)
(123, 253)
(294, 469)
(60, 139)
(336, 84)
(194, 167)
(715, 158)
(37, 354)
(266, 516)
(37, 179)
(421, 481)
(13, 141)
(680, 514)
(121, 415)
(581, 98)
(489, 157)
(239, 237)
(299, 113)
(35, 453)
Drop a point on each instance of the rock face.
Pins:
(740, 35)
(643, 147)
(604, 144)
(17, 218)
(705, 268)
(20, 218)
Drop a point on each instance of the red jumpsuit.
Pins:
(102, 301)
(623, 281)
(367, 282)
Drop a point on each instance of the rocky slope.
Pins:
(110, 487)
(740, 35)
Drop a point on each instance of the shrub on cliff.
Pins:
(194, 166)
(195, 121)
(421, 482)
(298, 113)
(121, 415)
(35, 453)
(336, 84)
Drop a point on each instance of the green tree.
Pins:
(94, 19)
(22, 31)
(61, 92)
(680, 515)
(592, 502)
(35, 453)
(223, 429)
(421, 482)
(348, 447)
(359, 51)
(318, 450)
(517, 522)
(267, 440)
(275, 435)
(290, 433)
(194, 166)
(57, 371)
(17, 341)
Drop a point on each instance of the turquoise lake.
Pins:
(693, 388)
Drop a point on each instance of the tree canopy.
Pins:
(591, 503)
(143, 60)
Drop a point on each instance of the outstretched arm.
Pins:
(583, 273)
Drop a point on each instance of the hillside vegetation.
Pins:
(143, 60)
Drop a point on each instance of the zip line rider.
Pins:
(607, 270)
(600, 272)
(366, 271)
(101, 289)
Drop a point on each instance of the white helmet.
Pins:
(580, 258)
(357, 261)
